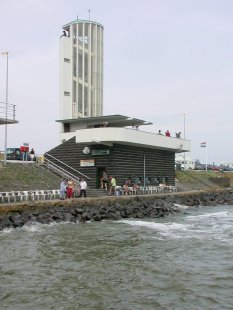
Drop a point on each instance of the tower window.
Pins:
(67, 60)
(66, 93)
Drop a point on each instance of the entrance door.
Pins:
(99, 174)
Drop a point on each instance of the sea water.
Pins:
(183, 261)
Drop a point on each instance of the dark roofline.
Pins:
(79, 21)
(112, 120)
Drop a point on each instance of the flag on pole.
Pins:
(203, 144)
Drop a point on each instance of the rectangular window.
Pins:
(67, 60)
(74, 92)
(80, 33)
(86, 68)
(80, 65)
(85, 101)
(75, 34)
(80, 98)
(75, 61)
(66, 127)
(66, 93)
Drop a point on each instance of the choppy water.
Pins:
(183, 261)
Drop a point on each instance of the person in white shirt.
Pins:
(83, 187)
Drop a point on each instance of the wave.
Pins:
(6, 230)
(216, 225)
(161, 227)
(220, 214)
(180, 207)
(35, 227)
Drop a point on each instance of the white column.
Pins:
(90, 110)
(83, 68)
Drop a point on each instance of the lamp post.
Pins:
(184, 139)
(184, 126)
(6, 115)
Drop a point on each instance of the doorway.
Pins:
(99, 174)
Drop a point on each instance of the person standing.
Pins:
(76, 192)
(112, 185)
(70, 189)
(104, 181)
(32, 154)
(63, 189)
(83, 188)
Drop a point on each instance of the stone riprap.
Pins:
(108, 208)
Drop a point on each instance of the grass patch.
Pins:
(16, 177)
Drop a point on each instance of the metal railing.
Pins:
(51, 165)
(7, 112)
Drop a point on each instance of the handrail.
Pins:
(52, 166)
(68, 166)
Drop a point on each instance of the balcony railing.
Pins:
(7, 113)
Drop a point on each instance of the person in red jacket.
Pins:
(70, 189)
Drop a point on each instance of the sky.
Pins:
(169, 62)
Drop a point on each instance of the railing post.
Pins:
(14, 112)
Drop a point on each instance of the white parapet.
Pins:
(128, 136)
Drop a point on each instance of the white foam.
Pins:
(209, 215)
(157, 226)
(6, 230)
(33, 227)
(196, 229)
(180, 207)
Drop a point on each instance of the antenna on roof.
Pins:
(77, 16)
(89, 11)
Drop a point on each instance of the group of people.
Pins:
(168, 134)
(72, 189)
(109, 183)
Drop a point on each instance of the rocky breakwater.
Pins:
(108, 208)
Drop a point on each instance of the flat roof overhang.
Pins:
(4, 121)
(109, 136)
(111, 121)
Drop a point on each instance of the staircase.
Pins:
(62, 169)
(96, 192)
(65, 171)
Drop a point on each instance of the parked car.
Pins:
(184, 163)
(226, 168)
(14, 153)
(213, 168)
(199, 167)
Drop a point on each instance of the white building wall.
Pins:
(110, 135)
(65, 80)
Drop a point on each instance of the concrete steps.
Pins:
(96, 192)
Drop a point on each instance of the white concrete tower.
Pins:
(81, 72)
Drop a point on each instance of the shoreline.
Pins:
(108, 208)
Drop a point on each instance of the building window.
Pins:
(80, 98)
(67, 60)
(66, 93)
(66, 127)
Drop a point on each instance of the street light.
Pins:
(6, 115)
(184, 126)
(184, 139)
